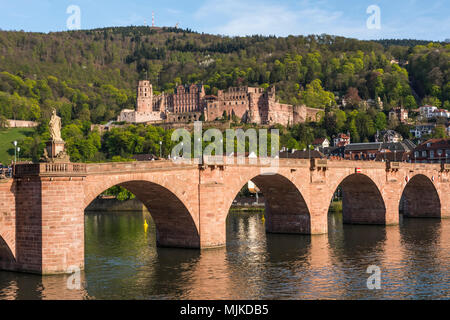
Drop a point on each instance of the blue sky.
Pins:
(418, 19)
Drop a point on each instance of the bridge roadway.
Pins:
(42, 207)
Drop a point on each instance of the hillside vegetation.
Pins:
(90, 75)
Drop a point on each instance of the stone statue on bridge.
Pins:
(55, 127)
(55, 150)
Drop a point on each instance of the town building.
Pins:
(389, 136)
(321, 143)
(440, 113)
(432, 151)
(399, 114)
(379, 151)
(422, 130)
(341, 140)
(427, 111)
(189, 103)
(336, 152)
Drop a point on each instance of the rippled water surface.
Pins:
(122, 262)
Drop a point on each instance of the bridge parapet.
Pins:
(356, 164)
(49, 169)
(136, 166)
(417, 166)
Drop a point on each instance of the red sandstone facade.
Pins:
(188, 103)
(42, 208)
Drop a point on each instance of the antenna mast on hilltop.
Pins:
(153, 18)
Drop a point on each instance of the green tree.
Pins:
(315, 96)
(380, 121)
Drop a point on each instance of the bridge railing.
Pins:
(53, 169)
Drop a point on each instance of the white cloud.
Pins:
(255, 17)
(268, 17)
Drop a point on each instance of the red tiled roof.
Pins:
(319, 141)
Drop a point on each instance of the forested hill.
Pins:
(91, 74)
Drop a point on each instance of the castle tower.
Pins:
(144, 101)
(254, 114)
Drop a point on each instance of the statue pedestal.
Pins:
(55, 152)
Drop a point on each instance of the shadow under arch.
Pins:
(420, 198)
(174, 223)
(362, 202)
(286, 210)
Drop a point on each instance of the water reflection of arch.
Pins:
(425, 258)
(23, 286)
(353, 248)
(292, 254)
(171, 274)
(118, 246)
(245, 254)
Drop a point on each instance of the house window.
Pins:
(417, 154)
(424, 154)
(431, 154)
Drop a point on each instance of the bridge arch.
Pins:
(362, 200)
(174, 222)
(286, 210)
(420, 198)
(6, 254)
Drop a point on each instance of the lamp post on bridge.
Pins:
(160, 150)
(18, 153)
(15, 149)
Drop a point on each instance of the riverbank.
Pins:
(114, 205)
(336, 206)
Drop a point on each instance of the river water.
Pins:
(122, 262)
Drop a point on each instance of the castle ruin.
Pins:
(188, 103)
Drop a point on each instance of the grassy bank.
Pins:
(247, 209)
(7, 137)
(336, 206)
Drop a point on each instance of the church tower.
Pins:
(144, 97)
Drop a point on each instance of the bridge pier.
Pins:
(445, 205)
(50, 224)
(213, 215)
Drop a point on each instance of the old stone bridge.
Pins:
(42, 207)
